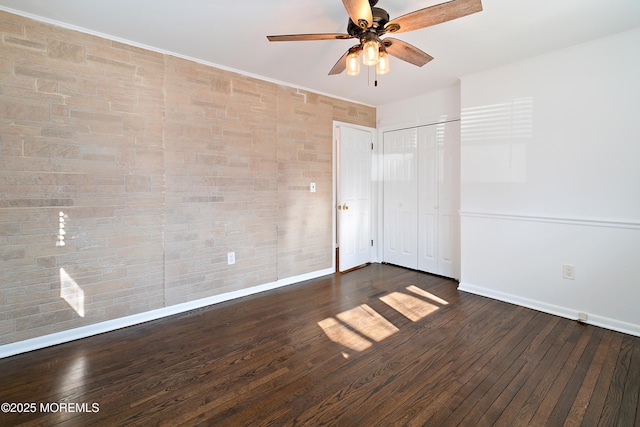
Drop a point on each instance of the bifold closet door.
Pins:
(421, 198)
(448, 161)
(438, 184)
(400, 188)
(428, 198)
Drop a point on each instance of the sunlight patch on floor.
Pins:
(73, 376)
(356, 328)
(368, 322)
(409, 306)
(416, 290)
(340, 334)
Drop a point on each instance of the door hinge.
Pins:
(372, 145)
(371, 242)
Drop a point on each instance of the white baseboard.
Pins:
(569, 313)
(123, 322)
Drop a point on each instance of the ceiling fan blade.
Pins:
(300, 37)
(341, 65)
(433, 15)
(406, 52)
(360, 12)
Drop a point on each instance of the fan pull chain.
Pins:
(375, 77)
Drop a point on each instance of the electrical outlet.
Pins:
(568, 272)
(231, 258)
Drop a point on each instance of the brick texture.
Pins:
(127, 175)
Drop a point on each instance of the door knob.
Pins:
(345, 207)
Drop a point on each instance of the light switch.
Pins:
(312, 187)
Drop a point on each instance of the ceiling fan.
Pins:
(368, 24)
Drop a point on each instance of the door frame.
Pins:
(375, 214)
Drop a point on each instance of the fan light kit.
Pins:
(353, 63)
(382, 67)
(368, 24)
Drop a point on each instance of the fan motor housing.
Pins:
(380, 19)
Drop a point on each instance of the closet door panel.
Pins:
(400, 198)
(448, 135)
(428, 199)
(427, 242)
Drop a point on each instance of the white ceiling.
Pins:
(232, 35)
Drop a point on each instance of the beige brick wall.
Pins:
(127, 175)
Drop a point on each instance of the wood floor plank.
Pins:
(501, 392)
(478, 400)
(463, 399)
(401, 365)
(587, 387)
(378, 346)
(432, 326)
(611, 410)
(597, 402)
(556, 390)
(437, 376)
(631, 392)
(529, 395)
(434, 400)
(565, 400)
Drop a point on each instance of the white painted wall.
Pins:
(442, 105)
(550, 171)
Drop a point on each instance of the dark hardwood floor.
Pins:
(377, 346)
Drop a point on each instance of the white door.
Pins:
(428, 199)
(438, 183)
(400, 198)
(354, 197)
(448, 199)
